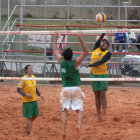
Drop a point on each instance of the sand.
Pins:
(123, 115)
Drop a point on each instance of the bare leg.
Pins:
(77, 127)
(98, 104)
(26, 125)
(64, 120)
(29, 126)
(103, 102)
(26, 128)
(77, 130)
(80, 117)
(63, 136)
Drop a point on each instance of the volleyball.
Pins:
(100, 17)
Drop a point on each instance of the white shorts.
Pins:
(71, 97)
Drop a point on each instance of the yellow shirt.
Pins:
(97, 56)
(28, 86)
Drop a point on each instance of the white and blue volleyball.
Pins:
(100, 17)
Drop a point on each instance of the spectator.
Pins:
(138, 41)
(139, 36)
(49, 53)
(131, 38)
(120, 38)
(128, 41)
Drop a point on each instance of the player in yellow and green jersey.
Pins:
(29, 92)
(99, 69)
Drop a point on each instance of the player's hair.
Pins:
(67, 54)
(26, 68)
(106, 41)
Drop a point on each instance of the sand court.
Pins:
(123, 115)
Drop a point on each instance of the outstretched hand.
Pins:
(79, 35)
(84, 64)
(41, 98)
(55, 35)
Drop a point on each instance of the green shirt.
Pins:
(70, 75)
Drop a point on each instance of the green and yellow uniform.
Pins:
(98, 66)
(70, 75)
(97, 55)
(30, 106)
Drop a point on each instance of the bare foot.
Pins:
(104, 117)
(77, 129)
(31, 133)
(99, 119)
(63, 136)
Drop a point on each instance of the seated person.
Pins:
(131, 38)
(49, 53)
(138, 41)
(120, 38)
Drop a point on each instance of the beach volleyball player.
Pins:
(99, 69)
(71, 93)
(29, 92)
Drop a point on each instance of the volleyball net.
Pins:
(35, 48)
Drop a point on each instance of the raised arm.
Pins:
(97, 43)
(55, 50)
(85, 52)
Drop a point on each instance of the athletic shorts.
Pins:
(99, 85)
(30, 109)
(71, 97)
